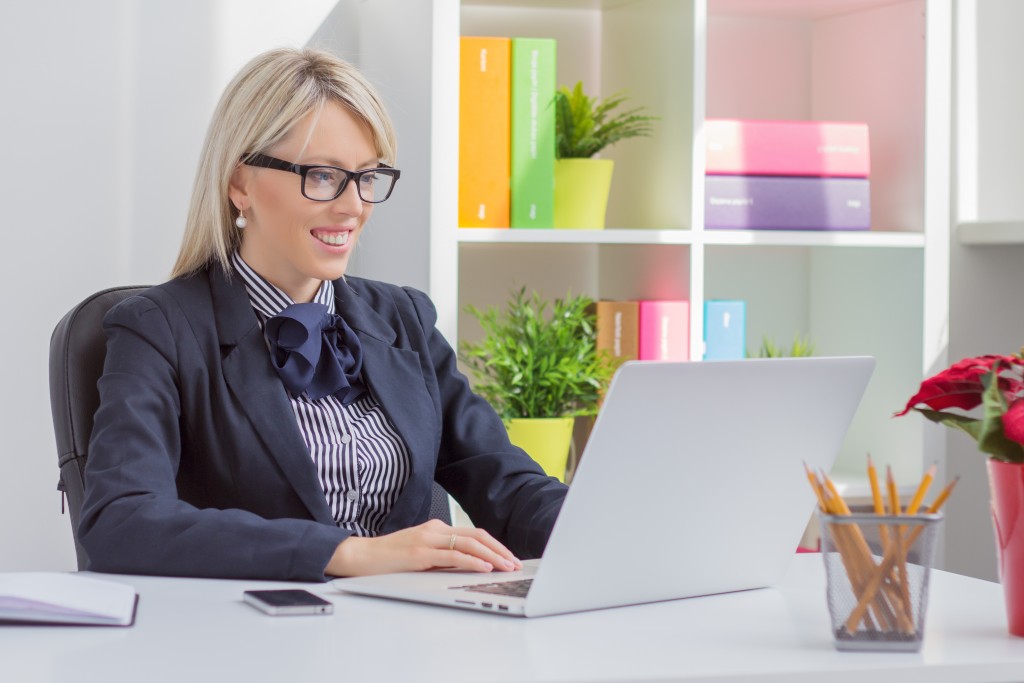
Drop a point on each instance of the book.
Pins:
(484, 131)
(803, 148)
(618, 328)
(56, 598)
(725, 329)
(664, 330)
(786, 203)
(533, 133)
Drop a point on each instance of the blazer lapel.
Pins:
(395, 378)
(254, 382)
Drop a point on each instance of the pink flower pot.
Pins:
(1007, 484)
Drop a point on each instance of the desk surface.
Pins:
(200, 630)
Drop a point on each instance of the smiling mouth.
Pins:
(335, 239)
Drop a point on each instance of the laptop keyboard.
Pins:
(516, 589)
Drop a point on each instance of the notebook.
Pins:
(59, 598)
(692, 483)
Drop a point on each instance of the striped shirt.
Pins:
(361, 461)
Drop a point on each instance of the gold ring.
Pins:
(451, 542)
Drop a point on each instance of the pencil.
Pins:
(922, 489)
(876, 497)
(894, 494)
(943, 495)
(876, 493)
(816, 486)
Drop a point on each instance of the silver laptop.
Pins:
(692, 483)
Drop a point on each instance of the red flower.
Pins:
(960, 386)
(1013, 422)
(999, 428)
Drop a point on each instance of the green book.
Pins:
(533, 133)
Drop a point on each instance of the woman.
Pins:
(263, 416)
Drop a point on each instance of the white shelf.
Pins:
(992, 233)
(781, 238)
(610, 236)
(804, 238)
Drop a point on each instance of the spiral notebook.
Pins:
(692, 483)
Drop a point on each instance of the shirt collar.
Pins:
(267, 299)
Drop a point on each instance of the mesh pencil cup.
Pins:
(878, 569)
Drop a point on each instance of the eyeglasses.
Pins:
(325, 183)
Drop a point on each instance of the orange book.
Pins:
(618, 328)
(484, 131)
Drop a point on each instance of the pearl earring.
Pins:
(241, 222)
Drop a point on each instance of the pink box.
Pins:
(664, 330)
(800, 148)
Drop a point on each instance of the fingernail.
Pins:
(488, 566)
(508, 565)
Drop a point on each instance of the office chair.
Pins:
(78, 347)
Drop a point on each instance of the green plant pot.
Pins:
(545, 439)
(581, 192)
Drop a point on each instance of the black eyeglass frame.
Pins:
(264, 161)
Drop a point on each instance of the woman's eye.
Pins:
(322, 176)
(368, 178)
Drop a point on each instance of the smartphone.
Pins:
(287, 602)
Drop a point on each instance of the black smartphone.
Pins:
(287, 602)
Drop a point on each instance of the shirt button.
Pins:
(352, 495)
(345, 438)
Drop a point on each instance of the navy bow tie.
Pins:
(316, 352)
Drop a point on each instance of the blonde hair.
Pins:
(259, 107)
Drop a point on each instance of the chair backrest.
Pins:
(78, 348)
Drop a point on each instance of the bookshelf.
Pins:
(883, 292)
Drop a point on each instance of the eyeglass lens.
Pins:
(324, 183)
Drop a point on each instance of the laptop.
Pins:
(692, 483)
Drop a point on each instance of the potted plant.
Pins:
(539, 371)
(801, 347)
(995, 384)
(583, 127)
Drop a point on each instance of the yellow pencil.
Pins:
(943, 495)
(817, 488)
(894, 494)
(922, 488)
(841, 506)
(876, 493)
(876, 497)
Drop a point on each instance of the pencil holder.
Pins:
(877, 569)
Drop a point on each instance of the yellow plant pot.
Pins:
(581, 192)
(545, 439)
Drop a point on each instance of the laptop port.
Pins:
(503, 608)
(487, 605)
(465, 602)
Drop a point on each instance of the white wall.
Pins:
(104, 107)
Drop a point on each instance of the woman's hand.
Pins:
(431, 545)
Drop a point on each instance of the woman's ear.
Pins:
(238, 187)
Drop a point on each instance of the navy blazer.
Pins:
(196, 464)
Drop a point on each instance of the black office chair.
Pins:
(78, 347)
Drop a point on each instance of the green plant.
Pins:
(530, 364)
(802, 346)
(586, 125)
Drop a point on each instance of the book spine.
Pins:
(809, 148)
(786, 203)
(533, 133)
(664, 330)
(725, 330)
(484, 130)
(618, 327)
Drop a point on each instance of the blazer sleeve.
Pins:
(501, 487)
(132, 519)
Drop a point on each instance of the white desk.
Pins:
(198, 630)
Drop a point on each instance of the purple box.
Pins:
(786, 203)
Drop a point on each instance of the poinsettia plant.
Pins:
(996, 383)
